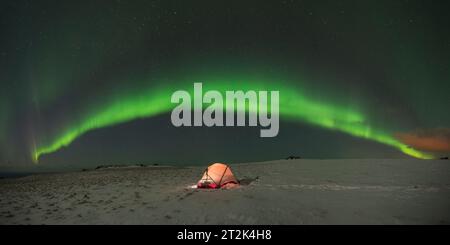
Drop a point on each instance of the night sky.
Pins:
(85, 83)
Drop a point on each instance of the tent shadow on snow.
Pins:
(248, 180)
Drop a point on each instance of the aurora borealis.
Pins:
(354, 74)
(293, 105)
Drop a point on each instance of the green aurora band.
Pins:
(293, 106)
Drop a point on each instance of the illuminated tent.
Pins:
(218, 175)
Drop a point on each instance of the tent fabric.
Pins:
(217, 175)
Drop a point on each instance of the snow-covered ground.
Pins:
(369, 191)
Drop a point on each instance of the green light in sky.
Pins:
(293, 105)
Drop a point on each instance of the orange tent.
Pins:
(217, 175)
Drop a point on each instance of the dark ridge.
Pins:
(293, 157)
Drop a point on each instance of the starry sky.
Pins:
(85, 83)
